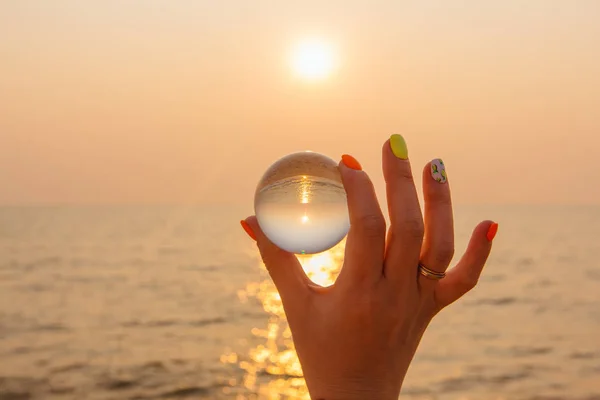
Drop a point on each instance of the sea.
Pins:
(172, 302)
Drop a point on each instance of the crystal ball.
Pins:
(300, 203)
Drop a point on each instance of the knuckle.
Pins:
(405, 173)
(414, 228)
(443, 198)
(443, 255)
(372, 226)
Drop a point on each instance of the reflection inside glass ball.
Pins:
(300, 203)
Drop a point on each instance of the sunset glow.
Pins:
(189, 103)
(314, 59)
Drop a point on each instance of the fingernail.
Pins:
(351, 162)
(248, 230)
(398, 145)
(438, 171)
(491, 233)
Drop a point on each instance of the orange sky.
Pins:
(190, 101)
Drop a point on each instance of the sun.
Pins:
(314, 59)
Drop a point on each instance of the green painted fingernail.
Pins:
(438, 171)
(398, 145)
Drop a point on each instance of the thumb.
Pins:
(284, 268)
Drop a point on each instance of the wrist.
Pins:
(373, 383)
(373, 390)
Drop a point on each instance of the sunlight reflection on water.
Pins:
(271, 369)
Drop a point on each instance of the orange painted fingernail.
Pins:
(492, 230)
(248, 230)
(351, 162)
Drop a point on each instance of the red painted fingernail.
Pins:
(492, 230)
(248, 230)
(351, 162)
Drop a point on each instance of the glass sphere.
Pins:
(300, 203)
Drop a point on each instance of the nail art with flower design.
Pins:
(438, 171)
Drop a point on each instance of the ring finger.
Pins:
(438, 244)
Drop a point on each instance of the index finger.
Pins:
(365, 245)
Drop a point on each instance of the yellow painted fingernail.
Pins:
(398, 145)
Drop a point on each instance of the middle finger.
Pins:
(406, 231)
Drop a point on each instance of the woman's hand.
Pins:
(356, 339)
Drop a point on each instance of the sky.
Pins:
(150, 101)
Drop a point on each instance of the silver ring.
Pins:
(429, 273)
